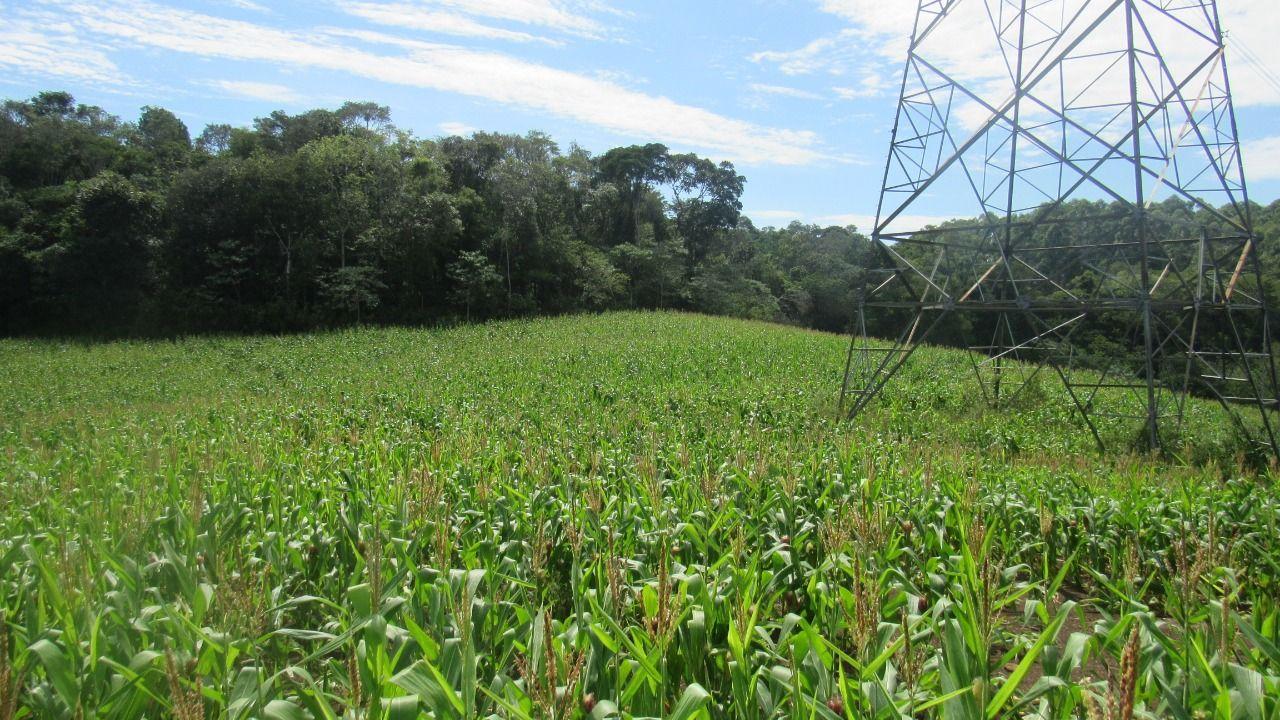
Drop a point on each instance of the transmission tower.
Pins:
(1095, 143)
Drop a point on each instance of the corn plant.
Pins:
(628, 515)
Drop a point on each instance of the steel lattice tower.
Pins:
(1096, 144)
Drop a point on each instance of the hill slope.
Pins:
(660, 506)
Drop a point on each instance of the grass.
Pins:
(623, 515)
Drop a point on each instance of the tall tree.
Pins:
(165, 137)
(102, 266)
(706, 201)
(370, 117)
(634, 170)
(475, 282)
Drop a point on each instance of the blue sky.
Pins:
(799, 94)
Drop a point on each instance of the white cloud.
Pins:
(621, 77)
(879, 33)
(889, 23)
(248, 5)
(44, 47)
(258, 90)
(871, 85)
(456, 128)
(1262, 158)
(551, 14)
(1252, 50)
(490, 76)
(785, 91)
(448, 23)
(833, 54)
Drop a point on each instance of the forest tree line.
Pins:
(334, 217)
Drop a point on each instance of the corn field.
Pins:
(626, 515)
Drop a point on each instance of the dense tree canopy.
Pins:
(333, 217)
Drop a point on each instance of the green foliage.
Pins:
(602, 284)
(336, 217)
(623, 515)
(99, 267)
(722, 291)
(476, 282)
(352, 290)
(165, 136)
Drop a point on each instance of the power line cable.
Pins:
(1254, 61)
(1252, 58)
